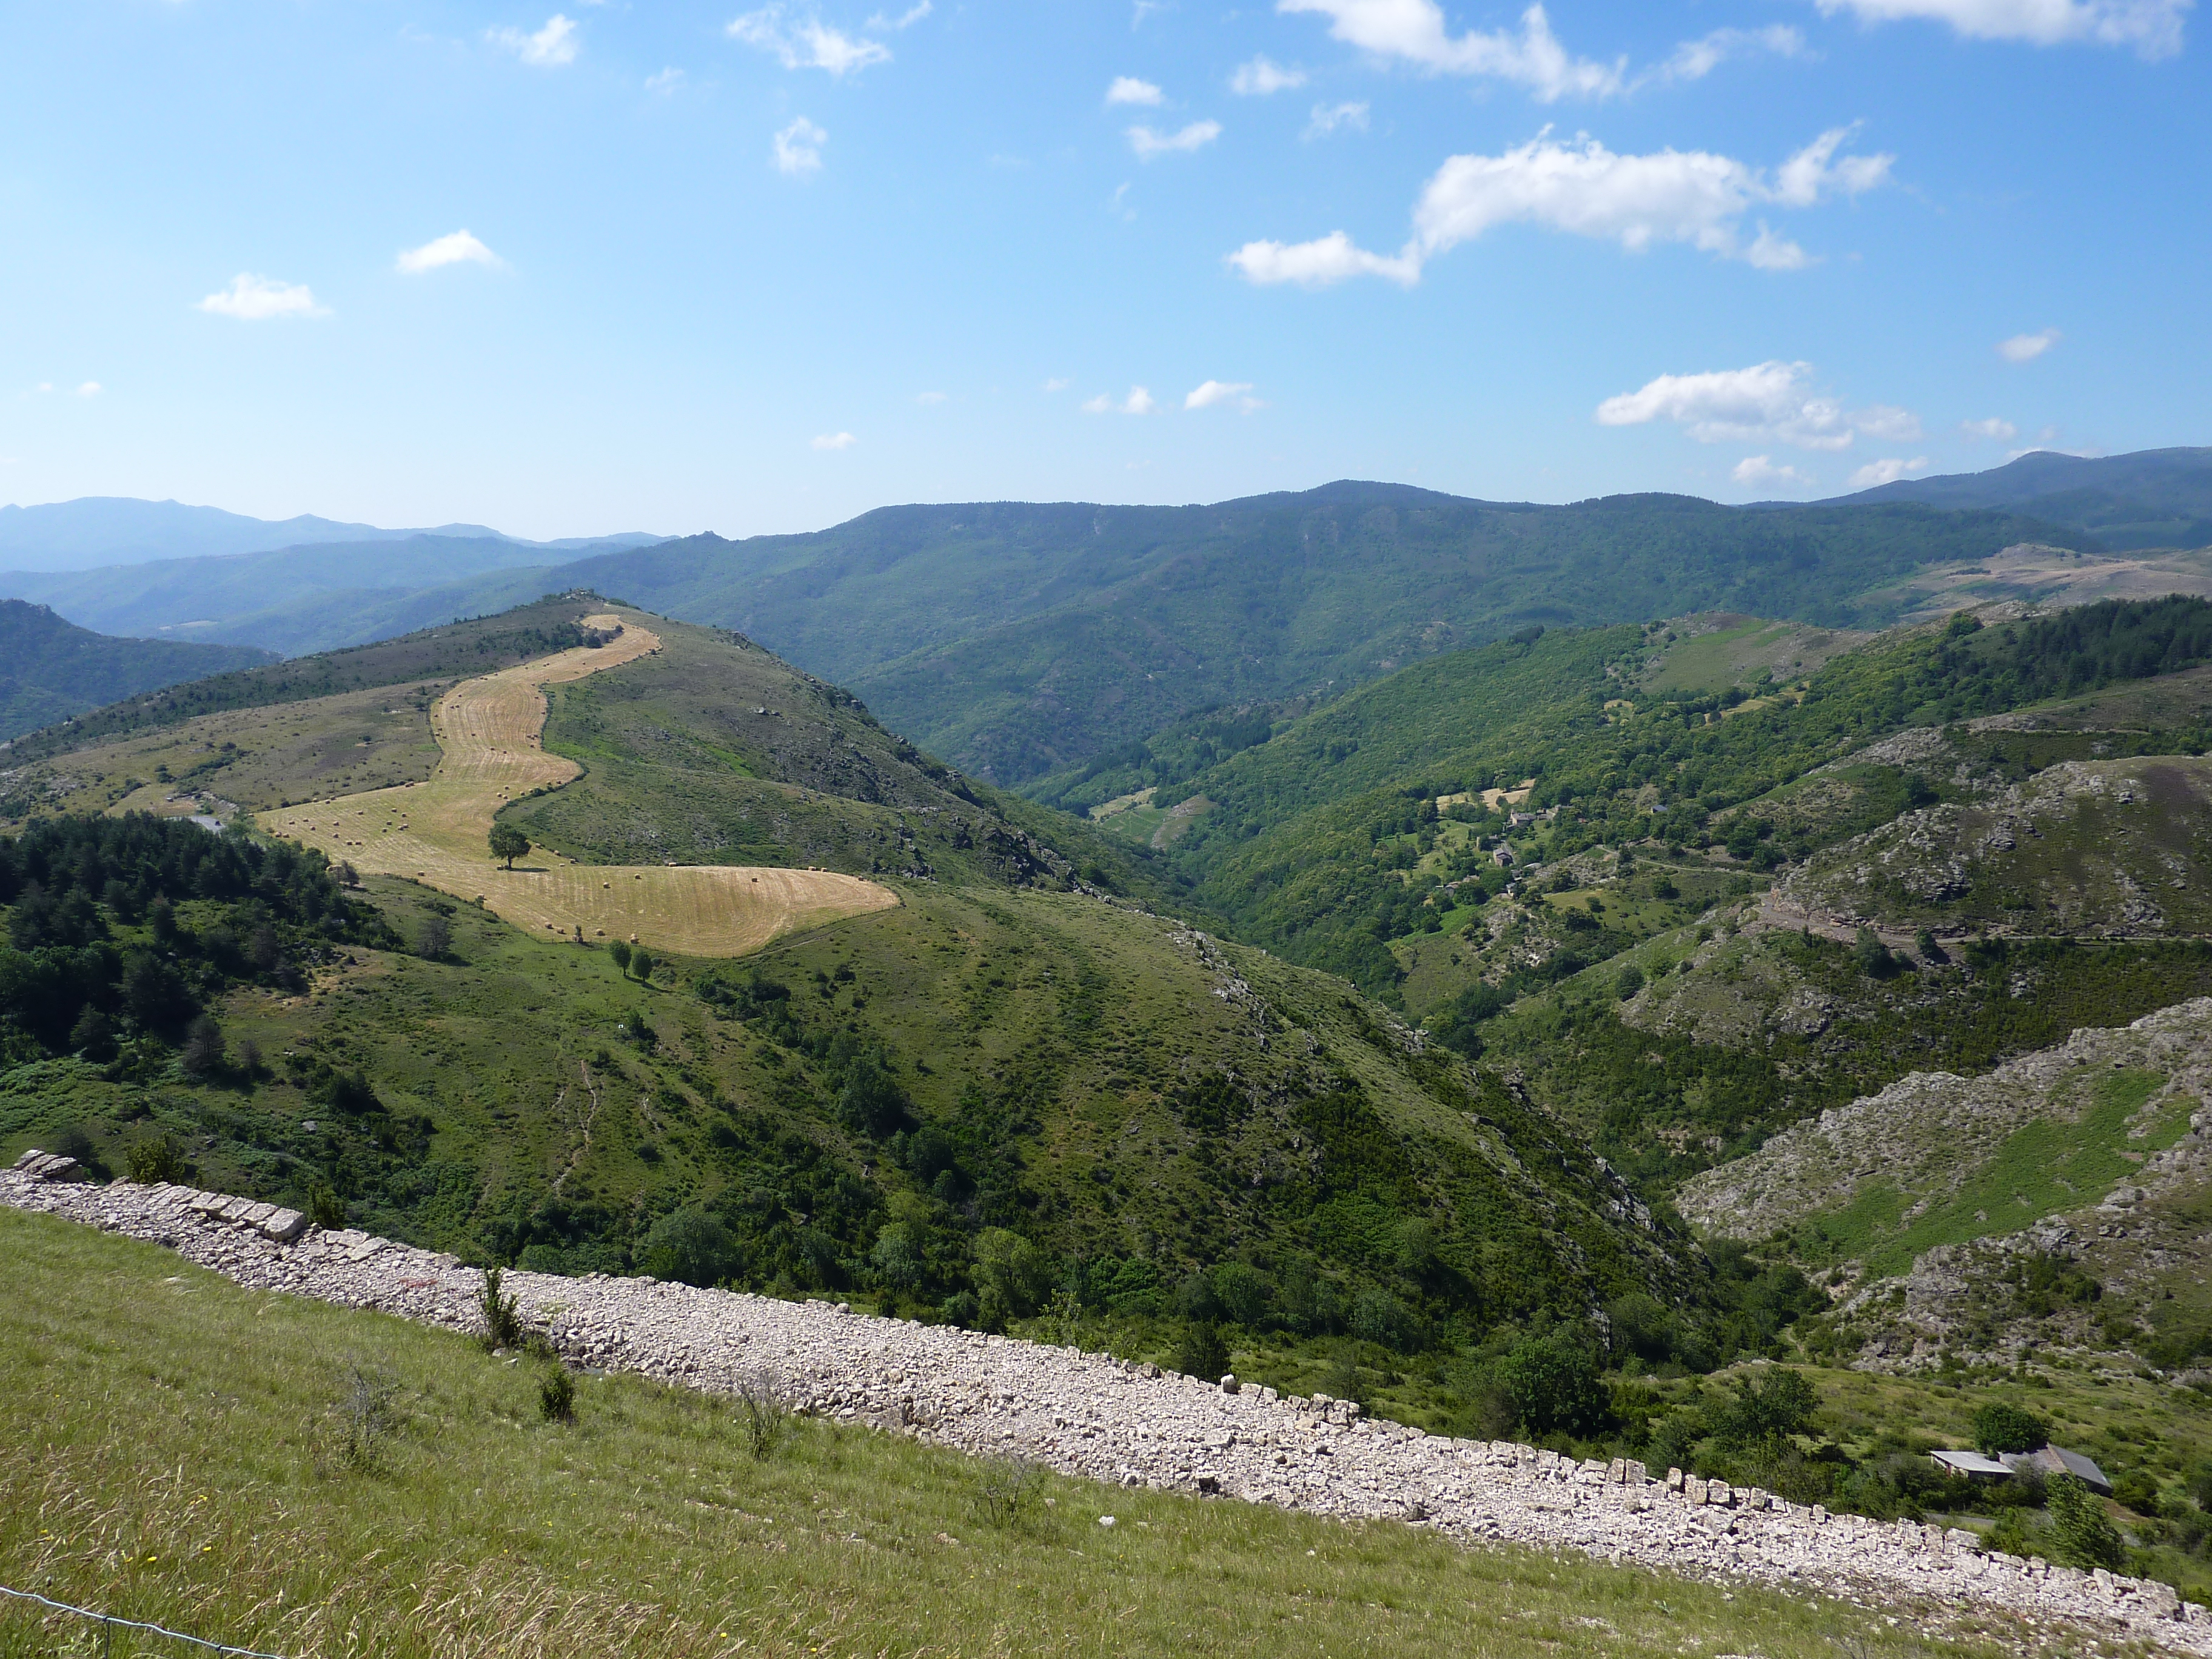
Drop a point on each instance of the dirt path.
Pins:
(491, 730)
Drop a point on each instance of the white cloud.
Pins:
(1150, 146)
(1888, 471)
(1414, 30)
(2153, 27)
(1128, 89)
(1139, 402)
(1055, 385)
(1327, 117)
(253, 299)
(43, 385)
(1995, 430)
(1327, 259)
(835, 440)
(1887, 423)
(1263, 75)
(1222, 392)
(89, 389)
(798, 148)
(1756, 471)
(905, 20)
(806, 43)
(550, 48)
(1693, 60)
(1813, 171)
(2026, 348)
(665, 84)
(929, 400)
(1586, 190)
(460, 248)
(1773, 399)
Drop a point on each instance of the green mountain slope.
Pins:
(1010, 1083)
(51, 670)
(1018, 639)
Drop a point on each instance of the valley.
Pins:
(1553, 1008)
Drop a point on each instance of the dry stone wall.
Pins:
(1105, 1419)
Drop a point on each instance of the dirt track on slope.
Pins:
(491, 730)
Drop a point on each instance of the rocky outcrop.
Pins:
(1090, 1416)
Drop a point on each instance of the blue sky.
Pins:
(746, 267)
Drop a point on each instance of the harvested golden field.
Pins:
(489, 730)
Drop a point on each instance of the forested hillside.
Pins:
(1011, 1090)
(51, 670)
(1016, 640)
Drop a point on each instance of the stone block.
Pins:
(1633, 1473)
(282, 1226)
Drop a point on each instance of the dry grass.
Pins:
(490, 730)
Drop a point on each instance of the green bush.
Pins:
(1203, 1353)
(1554, 1382)
(155, 1159)
(2138, 1490)
(1767, 1410)
(2083, 1534)
(501, 1319)
(1999, 1427)
(1628, 981)
(691, 1246)
(556, 1396)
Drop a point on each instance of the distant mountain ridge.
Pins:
(96, 530)
(51, 669)
(292, 600)
(2151, 498)
(1015, 640)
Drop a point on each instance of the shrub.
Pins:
(556, 1396)
(1872, 956)
(1628, 981)
(2083, 1535)
(1767, 1410)
(762, 1415)
(2138, 1490)
(202, 1051)
(692, 1246)
(433, 939)
(1999, 1427)
(1008, 1488)
(1013, 1277)
(1203, 1353)
(1554, 1382)
(325, 1207)
(155, 1159)
(363, 1421)
(501, 1316)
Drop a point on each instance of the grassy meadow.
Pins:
(312, 1480)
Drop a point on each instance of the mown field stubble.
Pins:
(312, 1480)
(490, 731)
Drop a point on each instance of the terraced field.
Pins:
(490, 731)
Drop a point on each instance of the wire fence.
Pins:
(110, 1624)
